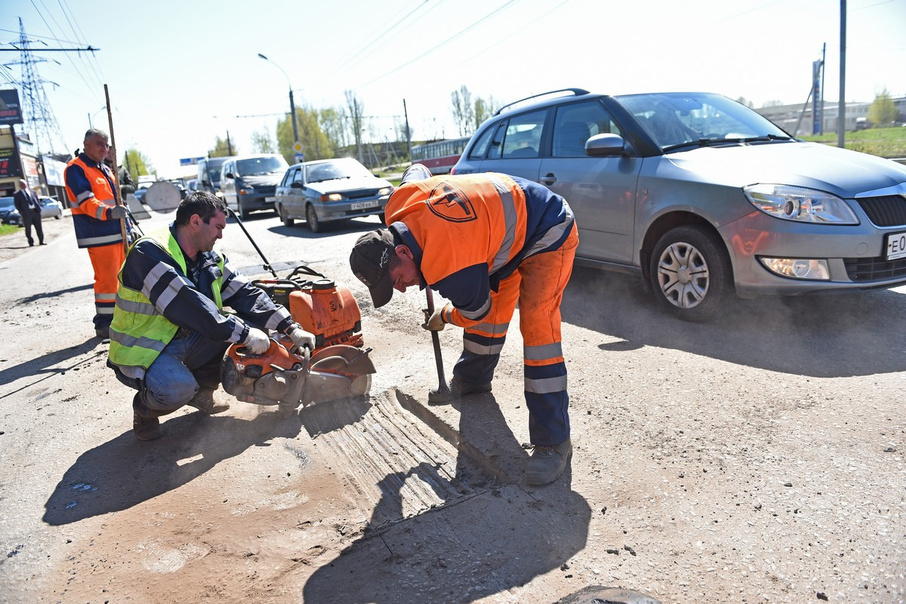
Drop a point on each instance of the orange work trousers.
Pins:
(537, 286)
(106, 261)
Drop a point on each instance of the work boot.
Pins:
(463, 388)
(547, 463)
(144, 420)
(204, 402)
(103, 333)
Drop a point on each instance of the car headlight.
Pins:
(800, 204)
(798, 268)
(385, 191)
(247, 190)
(332, 197)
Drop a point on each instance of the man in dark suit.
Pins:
(27, 203)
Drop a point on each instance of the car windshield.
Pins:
(260, 165)
(681, 120)
(335, 169)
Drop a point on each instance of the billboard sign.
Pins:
(10, 110)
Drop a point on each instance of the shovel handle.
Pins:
(435, 339)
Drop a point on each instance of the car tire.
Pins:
(243, 213)
(690, 273)
(311, 217)
(383, 218)
(287, 221)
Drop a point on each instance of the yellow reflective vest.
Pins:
(139, 332)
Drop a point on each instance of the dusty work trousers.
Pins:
(537, 285)
(106, 261)
(184, 366)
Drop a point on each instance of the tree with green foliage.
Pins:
(262, 142)
(315, 143)
(483, 109)
(223, 148)
(137, 164)
(882, 112)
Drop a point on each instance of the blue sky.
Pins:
(181, 73)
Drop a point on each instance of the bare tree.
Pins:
(356, 109)
(463, 112)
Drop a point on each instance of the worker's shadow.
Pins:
(124, 472)
(501, 536)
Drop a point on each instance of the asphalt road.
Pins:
(757, 458)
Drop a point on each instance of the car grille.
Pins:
(874, 269)
(886, 211)
(361, 194)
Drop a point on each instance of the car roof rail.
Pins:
(575, 91)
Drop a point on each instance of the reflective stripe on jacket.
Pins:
(90, 188)
(139, 332)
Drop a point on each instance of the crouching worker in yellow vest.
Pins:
(169, 331)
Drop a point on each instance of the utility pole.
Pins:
(39, 119)
(408, 134)
(841, 105)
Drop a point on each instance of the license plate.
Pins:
(362, 205)
(270, 199)
(896, 246)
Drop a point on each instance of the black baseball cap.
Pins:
(370, 262)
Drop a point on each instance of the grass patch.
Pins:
(8, 229)
(883, 142)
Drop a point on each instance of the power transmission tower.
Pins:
(40, 122)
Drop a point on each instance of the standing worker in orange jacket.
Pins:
(91, 189)
(486, 242)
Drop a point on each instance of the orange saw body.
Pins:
(337, 368)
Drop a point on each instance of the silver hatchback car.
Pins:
(701, 196)
(330, 189)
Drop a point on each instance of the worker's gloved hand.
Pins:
(434, 322)
(116, 212)
(301, 338)
(256, 341)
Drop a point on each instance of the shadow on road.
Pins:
(501, 538)
(124, 472)
(37, 368)
(822, 335)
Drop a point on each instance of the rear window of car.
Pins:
(516, 137)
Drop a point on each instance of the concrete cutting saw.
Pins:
(288, 378)
(337, 368)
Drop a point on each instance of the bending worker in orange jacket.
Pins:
(486, 242)
(91, 189)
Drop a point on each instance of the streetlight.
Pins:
(292, 105)
(91, 115)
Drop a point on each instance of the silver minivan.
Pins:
(330, 189)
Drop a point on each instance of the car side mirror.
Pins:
(229, 175)
(605, 145)
(296, 185)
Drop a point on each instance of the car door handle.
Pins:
(548, 179)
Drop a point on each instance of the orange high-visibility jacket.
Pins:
(467, 232)
(91, 188)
